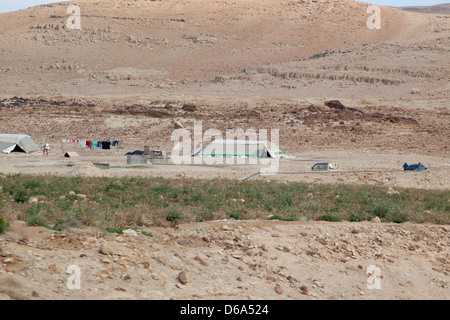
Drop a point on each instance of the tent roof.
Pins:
(71, 154)
(239, 148)
(9, 143)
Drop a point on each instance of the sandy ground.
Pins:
(236, 260)
(357, 168)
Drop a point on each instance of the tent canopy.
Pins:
(240, 148)
(17, 143)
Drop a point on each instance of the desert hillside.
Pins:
(436, 9)
(222, 48)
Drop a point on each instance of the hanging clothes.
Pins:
(106, 145)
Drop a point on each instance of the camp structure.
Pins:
(239, 148)
(71, 154)
(17, 143)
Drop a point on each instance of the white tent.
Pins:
(17, 143)
(240, 148)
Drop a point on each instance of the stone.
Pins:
(335, 104)
(33, 200)
(189, 107)
(177, 124)
(130, 233)
(376, 220)
(8, 260)
(126, 277)
(106, 260)
(4, 296)
(278, 289)
(200, 260)
(104, 274)
(304, 289)
(111, 248)
(182, 277)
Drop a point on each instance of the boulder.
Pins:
(335, 104)
(112, 248)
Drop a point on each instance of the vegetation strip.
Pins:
(115, 204)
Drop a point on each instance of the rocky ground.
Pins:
(229, 260)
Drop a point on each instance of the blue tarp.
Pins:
(417, 167)
(135, 153)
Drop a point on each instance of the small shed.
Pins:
(71, 154)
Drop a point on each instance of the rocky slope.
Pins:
(229, 260)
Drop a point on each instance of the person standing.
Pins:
(46, 149)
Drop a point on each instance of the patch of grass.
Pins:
(354, 218)
(329, 217)
(114, 186)
(279, 217)
(121, 201)
(114, 230)
(34, 184)
(148, 234)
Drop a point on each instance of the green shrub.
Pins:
(3, 226)
(380, 211)
(354, 218)
(235, 216)
(329, 217)
(114, 230)
(21, 196)
(173, 215)
(32, 184)
(113, 186)
(148, 234)
(36, 221)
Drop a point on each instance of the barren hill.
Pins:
(437, 9)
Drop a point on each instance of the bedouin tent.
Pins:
(239, 148)
(71, 154)
(17, 143)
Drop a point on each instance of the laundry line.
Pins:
(93, 144)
